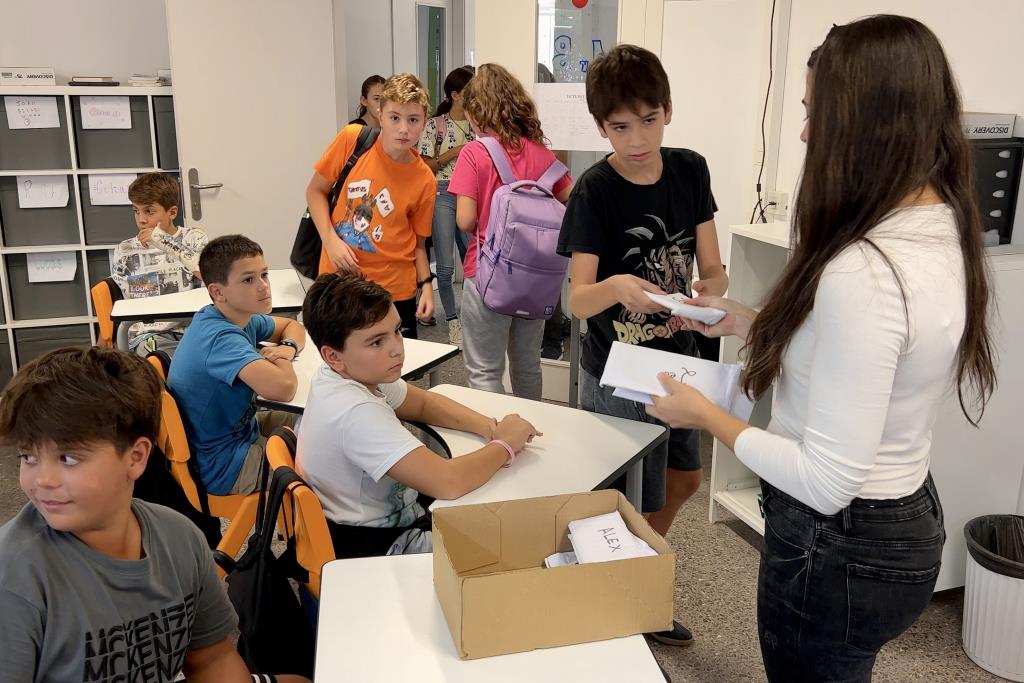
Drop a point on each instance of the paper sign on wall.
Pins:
(564, 116)
(25, 112)
(106, 111)
(110, 189)
(57, 266)
(42, 191)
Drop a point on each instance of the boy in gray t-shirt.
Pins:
(96, 586)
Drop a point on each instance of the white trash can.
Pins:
(993, 628)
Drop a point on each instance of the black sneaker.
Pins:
(679, 636)
(429, 322)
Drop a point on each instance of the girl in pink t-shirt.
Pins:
(497, 105)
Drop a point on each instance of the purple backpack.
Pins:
(518, 272)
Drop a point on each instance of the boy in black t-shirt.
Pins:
(635, 223)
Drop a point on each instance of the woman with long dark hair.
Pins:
(369, 102)
(443, 138)
(882, 307)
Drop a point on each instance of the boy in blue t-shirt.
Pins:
(218, 370)
(96, 585)
(635, 223)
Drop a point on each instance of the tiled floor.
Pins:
(715, 591)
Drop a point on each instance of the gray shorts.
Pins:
(249, 475)
(681, 451)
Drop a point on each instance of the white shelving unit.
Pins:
(39, 316)
(976, 471)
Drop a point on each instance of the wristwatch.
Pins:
(430, 278)
(292, 343)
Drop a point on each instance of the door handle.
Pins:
(194, 186)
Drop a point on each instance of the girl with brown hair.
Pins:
(497, 106)
(884, 303)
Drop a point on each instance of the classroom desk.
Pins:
(380, 621)
(580, 451)
(285, 286)
(421, 357)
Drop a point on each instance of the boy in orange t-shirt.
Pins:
(385, 211)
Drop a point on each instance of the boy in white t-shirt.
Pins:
(353, 450)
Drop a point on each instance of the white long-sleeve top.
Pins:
(862, 380)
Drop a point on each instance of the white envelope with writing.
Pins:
(633, 372)
(604, 538)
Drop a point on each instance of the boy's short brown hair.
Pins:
(403, 89)
(154, 188)
(220, 254)
(626, 76)
(338, 304)
(75, 396)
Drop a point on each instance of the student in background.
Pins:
(219, 369)
(95, 585)
(161, 259)
(498, 106)
(882, 306)
(353, 450)
(635, 223)
(383, 216)
(369, 102)
(443, 138)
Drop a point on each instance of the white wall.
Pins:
(714, 53)
(981, 39)
(367, 38)
(83, 38)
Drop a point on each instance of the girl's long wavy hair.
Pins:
(884, 121)
(498, 103)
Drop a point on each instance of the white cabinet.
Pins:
(36, 317)
(976, 471)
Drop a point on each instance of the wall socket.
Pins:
(780, 209)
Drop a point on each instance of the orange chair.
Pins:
(302, 516)
(104, 294)
(240, 510)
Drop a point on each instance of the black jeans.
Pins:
(833, 589)
(407, 312)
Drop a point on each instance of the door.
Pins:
(255, 106)
(423, 42)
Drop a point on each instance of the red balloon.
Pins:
(580, 4)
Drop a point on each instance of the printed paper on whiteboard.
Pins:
(106, 111)
(57, 266)
(25, 112)
(42, 191)
(110, 189)
(565, 119)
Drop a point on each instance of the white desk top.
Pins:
(579, 451)
(420, 357)
(285, 288)
(380, 621)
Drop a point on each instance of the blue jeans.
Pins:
(833, 589)
(447, 235)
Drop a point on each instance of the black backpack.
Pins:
(305, 257)
(275, 635)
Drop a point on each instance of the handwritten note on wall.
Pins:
(110, 189)
(56, 266)
(106, 111)
(25, 112)
(42, 191)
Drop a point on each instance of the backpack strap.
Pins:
(551, 176)
(439, 139)
(367, 136)
(500, 159)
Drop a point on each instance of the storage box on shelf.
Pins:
(976, 471)
(40, 316)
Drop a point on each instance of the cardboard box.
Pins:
(498, 597)
(983, 125)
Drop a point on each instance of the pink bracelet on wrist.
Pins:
(504, 444)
